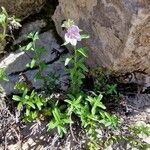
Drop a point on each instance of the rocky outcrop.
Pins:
(22, 8)
(119, 31)
(15, 62)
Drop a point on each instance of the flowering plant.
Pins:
(7, 21)
(78, 69)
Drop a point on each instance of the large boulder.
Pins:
(119, 31)
(22, 8)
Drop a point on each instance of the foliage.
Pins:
(36, 60)
(141, 129)
(77, 69)
(3, 23)
(92, 115)
(110, 121)
(49, 81)
(7, 21)
(31, 103)
(88, 107)
(103, 82)
(59, 121)
(3, 75)
(133, 135)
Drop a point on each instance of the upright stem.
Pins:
(4, 32)
(75, 57)
(75, 69)
(5, 28)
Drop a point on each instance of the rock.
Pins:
(22, 8)
(138, 106)
(17, 60)
(119, 31)
(139, 101)
(15, 63)
(27, 28)
(57, 68)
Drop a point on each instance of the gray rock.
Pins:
(56, 68)
(119, 31)
(139, 101)
(27, 28)
(21, 8)
(15, 63)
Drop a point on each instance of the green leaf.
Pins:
(21, 86)
(29, 46)
(112, 89)
(81, 75)
(56, 114)
(34, 114)
(19, 107)
(32, 64)
(64, 44)
(16, 98)
(51, 125)
(101, 105)
(68, 60)
(39, 104)
(84, 68)
(60, 132)
(71, 96)
(2, 37)
(85, 36)
(33, 36)
(93, 110)
(4, 11)
(30, 104)
(27, 97)
(27, 112)
(38, 76)
(82, 51)
(2, 19)
(63, 129)
(3, 75)
(42, 65)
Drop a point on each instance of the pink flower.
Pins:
(73, 35)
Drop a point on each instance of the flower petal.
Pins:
(78, 37)
(67, 39)
(73, 42)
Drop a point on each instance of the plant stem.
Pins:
(71, 130)
(38, 61)
(74, 86)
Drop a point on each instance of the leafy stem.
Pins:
(74, 89)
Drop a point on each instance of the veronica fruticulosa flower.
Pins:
(73, 35)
